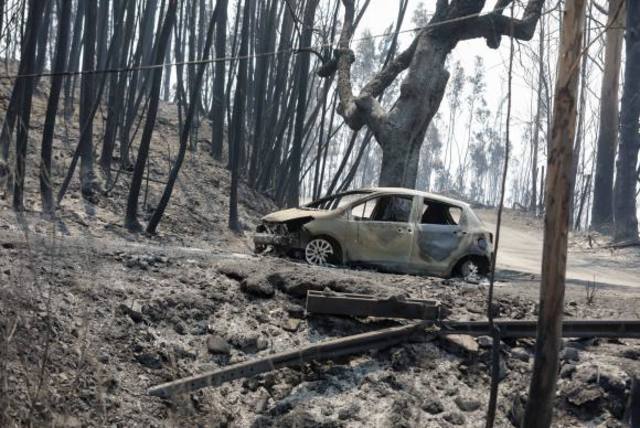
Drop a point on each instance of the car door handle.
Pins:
(459, 233)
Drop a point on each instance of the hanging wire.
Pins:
(256, 55)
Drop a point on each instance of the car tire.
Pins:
(472, 266)
(322, 251)
(468, 268)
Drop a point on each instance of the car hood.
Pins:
(295, 214)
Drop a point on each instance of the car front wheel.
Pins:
(322, 252)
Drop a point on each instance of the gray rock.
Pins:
(460, 344)
(567, 371)
(432, 406)
(246, 342)
(579, 394)
(520, 354)
(349, 412)
(295, 311)
(150, 360)
(291, 325)
(217, 345)
(135, 315)
(569, 354)
(467, 404)
(257, 286)
(485, 341)
(179, 328)
(455, 418)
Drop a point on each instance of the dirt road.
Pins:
(520, 255)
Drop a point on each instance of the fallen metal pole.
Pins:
(629, 329)
(385, 338)
(379, 339)
(321, 302)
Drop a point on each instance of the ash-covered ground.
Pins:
(89, 324)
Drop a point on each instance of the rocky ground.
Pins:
(87, 328)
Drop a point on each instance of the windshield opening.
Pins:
(336, 201)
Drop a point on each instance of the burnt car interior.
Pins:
(389, 208)
(440, 213)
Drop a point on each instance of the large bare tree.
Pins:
(400, 131)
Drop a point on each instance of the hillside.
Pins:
(91, 316)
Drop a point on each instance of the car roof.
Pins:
(412, 192)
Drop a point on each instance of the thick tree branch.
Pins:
(348, 108)
(492, 26)
(388, 74)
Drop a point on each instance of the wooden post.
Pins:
(556, 224)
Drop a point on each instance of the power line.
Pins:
(241, 57)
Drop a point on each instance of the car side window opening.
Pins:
(440, 213)
(391, 208)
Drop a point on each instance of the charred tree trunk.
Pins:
(625, 217)
(218, 104)
(302, 69)
(539, 409)
(237, 123)
(131, 218)
(117, 85)
(186, 127)
(62, 39)
(87, 99)
(536, 126)
(74, 60)
(602, 211)
(25, 86)
(43, 39)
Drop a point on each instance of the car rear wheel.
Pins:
(322, 252)
(469, 268)
(472, 266)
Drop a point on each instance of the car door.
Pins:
(438, 236)
(383, 231)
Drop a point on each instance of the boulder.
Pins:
(217, 345)
(257, 286)
(467, 404)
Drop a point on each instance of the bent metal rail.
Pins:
(429, 311)
(385, 338)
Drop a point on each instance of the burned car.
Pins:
(392, 229)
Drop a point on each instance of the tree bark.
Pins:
(25, 85)
(536, 126)
(602, 211)
(218, 104)
(186, 128)
(117, 86)
(539, 408)
(625, 217)
(87, 96)
(303, 62)
(237, 123)
(74, 60)
(62, 41)
(131, 218)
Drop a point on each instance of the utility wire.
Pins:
(256, 55)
